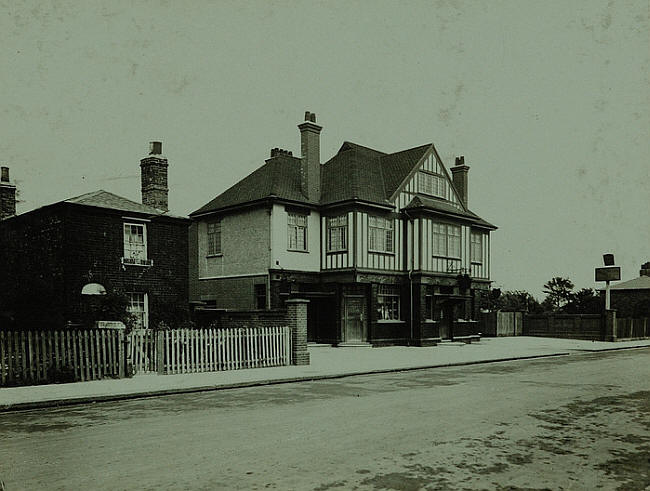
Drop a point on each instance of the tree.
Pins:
(558, 292)
(516, 300)
(584, 301)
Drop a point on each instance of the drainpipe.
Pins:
(410, 218)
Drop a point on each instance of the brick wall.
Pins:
(66, 246)
(228, 293)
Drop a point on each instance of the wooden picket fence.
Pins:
(32, 357)
(207, 350)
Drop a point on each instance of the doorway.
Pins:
(354, 319)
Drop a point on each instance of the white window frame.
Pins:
(142, 314)
(294, 231)
(446, 240)
(131, 251)
(381, 235)
(476, 247)
(337, 233)
(389, 303)
(214, 238)
(432, 184)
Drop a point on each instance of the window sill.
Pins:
(337, 252)
(385, 253)
(143, 263)
(446, 257)
(297, 250)
(478, 263)
(390, 321)
(431, 321)
(214, 255)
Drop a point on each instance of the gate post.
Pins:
(610, 325)
(297, 319)
(160, 351)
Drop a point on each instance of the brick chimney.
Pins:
(645, 269)
(310, 159)
(460, 171)
(153, 177)
(7, 195)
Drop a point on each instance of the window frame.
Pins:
(341, 228)
(144, 312)
(476, 247)
(294, 228)
(216, 233)
(390, 297)
(128, 251)
(437, 182)
(257, 288)
(382, 230)
(450, 240)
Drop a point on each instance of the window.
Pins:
(432, 184)
(137, 306)
(380, 234)
(476, 247)
(260, 296)
(388, 302)
(135, 242)
(337, 233)
(297, 229)
(214, 238)
(432, 311)
(446, 240)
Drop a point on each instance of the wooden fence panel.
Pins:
(38, 356)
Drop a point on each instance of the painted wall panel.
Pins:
(302, 261)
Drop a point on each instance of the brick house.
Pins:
(382, 244)
(632, 298)
(94, 243)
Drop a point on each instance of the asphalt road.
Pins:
(574, 422)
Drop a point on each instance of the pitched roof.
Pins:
(354, 173)
(278, 177)
(640, 283)
(105, 199)
(440, 205)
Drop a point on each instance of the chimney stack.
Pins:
(153, 178)
(310, 159)
(460, 171)
(7, 195)
(645, 269)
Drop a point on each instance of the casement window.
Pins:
(432, 184)
(297, 230)
(260, 296)
(135, 242)
(446, 240)
(380, 234)
(214, 237)
(476, 247)
(433, 312)
(337, 233)
(138, 307)
(388, 303)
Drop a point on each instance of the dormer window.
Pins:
(432, 184)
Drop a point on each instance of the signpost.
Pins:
(607, 274)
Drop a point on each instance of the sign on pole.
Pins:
(610, 273)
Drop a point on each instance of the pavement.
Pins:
(326, 362)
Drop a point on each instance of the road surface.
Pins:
(573, 422)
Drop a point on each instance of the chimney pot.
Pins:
(307, 115)
(5, 174)
(155, 148)
(312, 117)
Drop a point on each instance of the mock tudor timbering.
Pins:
(383, 245)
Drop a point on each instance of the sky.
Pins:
(548, 102)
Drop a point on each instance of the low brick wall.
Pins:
(568, 326)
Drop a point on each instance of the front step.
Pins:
(357, 344)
